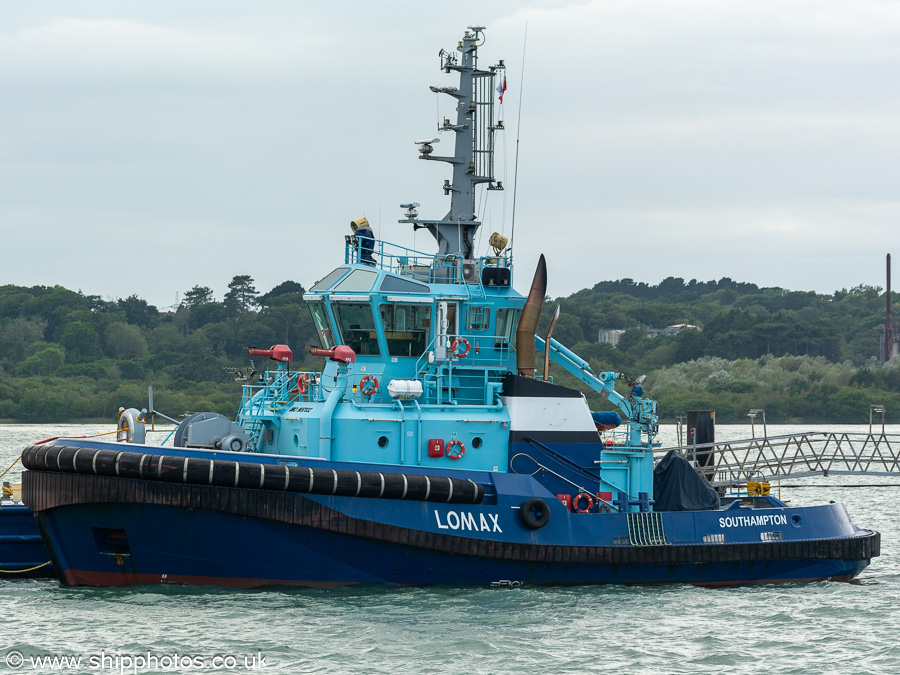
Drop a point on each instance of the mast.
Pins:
(473, 152)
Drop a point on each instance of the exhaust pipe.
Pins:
(528, 322)
(546, 376)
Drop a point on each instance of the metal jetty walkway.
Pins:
(796, 455)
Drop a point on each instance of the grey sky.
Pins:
(150, 146)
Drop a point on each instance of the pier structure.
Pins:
(732, 463)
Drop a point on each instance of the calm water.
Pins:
(808, 628)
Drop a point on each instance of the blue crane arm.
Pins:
(640, 412)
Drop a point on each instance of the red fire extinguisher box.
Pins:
(435, 447)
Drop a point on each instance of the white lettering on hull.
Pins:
(466, 521)
(753, 521)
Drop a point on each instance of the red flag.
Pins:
(501, 88)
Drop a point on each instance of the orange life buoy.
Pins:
(300, 387)
(462, 449)
(590, 502)
(364, 385)
(456, 344)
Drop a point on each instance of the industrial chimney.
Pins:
(888, 327)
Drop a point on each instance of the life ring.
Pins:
(590, 502)
(456, 344)
(534, 513)
(462, 449)
(301, 385)
(364, 385)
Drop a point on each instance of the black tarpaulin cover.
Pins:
(678, 487)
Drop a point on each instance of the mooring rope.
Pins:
(30, 569)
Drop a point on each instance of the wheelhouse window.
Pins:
(507, 320)
(479, 319)
(357, 327)
(326, 283)
(407, 328)
(322, 324)
(357, 280)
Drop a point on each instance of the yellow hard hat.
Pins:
(359, 222)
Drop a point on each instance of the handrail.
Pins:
(805, 454)
(406, 261)
(278, 389)
(494, 362)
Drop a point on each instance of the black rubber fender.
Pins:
(204, 470)
(534, 513)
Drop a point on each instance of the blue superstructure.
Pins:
(425, 449)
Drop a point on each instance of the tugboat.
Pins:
(22, 552)
(425, 450)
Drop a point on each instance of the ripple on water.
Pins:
(778, 629)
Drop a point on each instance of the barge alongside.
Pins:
(22, 552)
(425, 450)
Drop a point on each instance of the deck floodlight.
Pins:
(498, 242)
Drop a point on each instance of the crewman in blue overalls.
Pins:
(366, 238)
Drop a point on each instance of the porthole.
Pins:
(476, 442)
(296, 441)
(382, 441)
(796, 521)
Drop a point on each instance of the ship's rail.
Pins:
(279, 387)
(429, 267)
(797, 455)
(474, 379)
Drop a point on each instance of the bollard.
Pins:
(702, 430)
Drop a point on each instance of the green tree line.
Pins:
(803, 356)
(68, 356)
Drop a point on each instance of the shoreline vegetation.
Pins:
(804, 357)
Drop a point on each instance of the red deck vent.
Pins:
(281, 353)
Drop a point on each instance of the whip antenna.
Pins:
(512, 233)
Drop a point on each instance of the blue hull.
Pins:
(206, 548)
(109, 531)
(22, 552)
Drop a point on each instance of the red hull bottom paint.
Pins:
(799, 580)
(105, 579)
